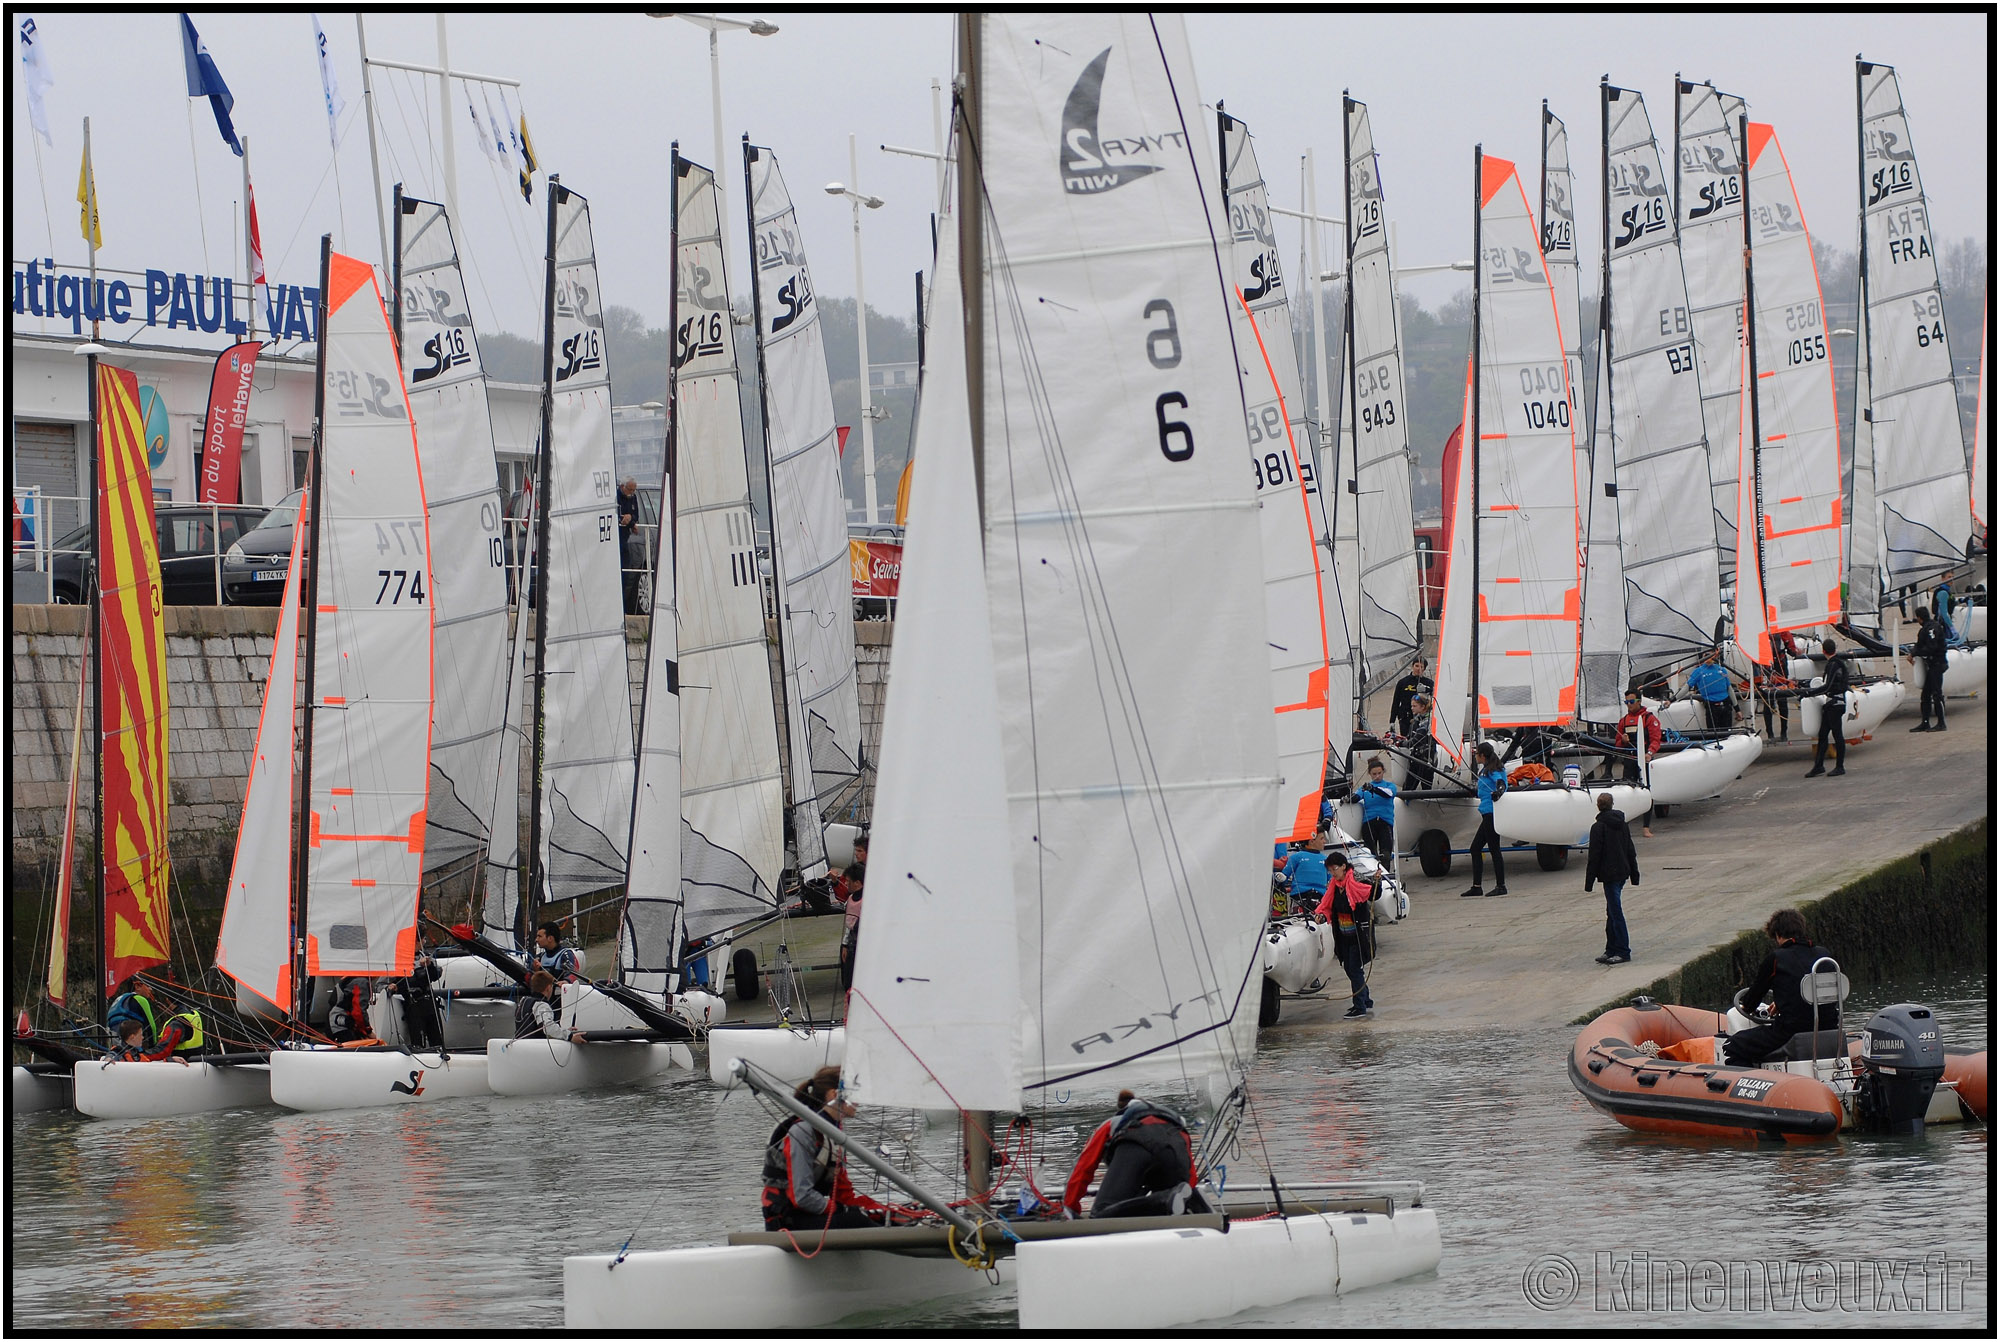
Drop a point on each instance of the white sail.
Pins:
(1342, 540)
(1708, 198)
(1658, 442)
(1450, 691)
(1752, 615)
(1559, 253)
(372, 672)
(1981, 517)
(1606, 669)
(447, 385)
(1528, 589)
(1288, 491)
(586, 700)
(1798, 448)
(1387, 582)
(1919, 441)
(808, 515)
(1863, 515)
(732, 791)
(499, 906)
(255, 944)
(649, 932)
(1141, 771)
(934, 1021)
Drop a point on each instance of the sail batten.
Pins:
(732, 790)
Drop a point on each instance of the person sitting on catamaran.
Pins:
(133, 1004)
(1149, 1164)
(180, 1038)
(805, 1179)
(131, 1045)
(347, 1017)
(563, 964)
(535, 1014)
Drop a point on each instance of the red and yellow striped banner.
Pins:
(132, 659)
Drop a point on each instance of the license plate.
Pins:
(269, 575)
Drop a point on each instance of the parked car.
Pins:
(253, 572)
(193, 539)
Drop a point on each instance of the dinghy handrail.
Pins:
(763, 1083)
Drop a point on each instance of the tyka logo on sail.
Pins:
(1091, 165)
(1145, 1022)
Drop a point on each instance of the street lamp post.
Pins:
(716, 24)
(856, 199)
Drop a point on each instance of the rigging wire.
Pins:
(200, 213)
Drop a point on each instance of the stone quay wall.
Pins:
(217, 660)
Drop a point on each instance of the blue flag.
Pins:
(205, 81)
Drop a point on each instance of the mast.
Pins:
(778, 594)
(95, 634)
(1468, 443)
(1864, 352)
(309, 510)
(396, 267)
(1347, 490)
(537, 877)
(374, 156)
(1756, 444)
(1610, 473)
(976, 1125)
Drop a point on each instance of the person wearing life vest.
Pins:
(1790, 960)
(133, 1004)
(1087, 1163)
(1149, 1165)
(1305, 870)
(1639, 721)
(535, 1014)
(180, 1038)
(805, 1180)
(131, 1045)
(563, 964)
(347, 1017)
(1403, 708)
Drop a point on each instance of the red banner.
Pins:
(877, 567)
(132, 660)
(222, 432)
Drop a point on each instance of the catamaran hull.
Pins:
(1682, 715)
(755, 1286)
(1701, 771)
(318, 1080)
(1298, 954)
(585, 1008)
(553, 1066)
(1562, 815)
(1170, 1277)
(1964, 673)
(789, 1055)
(164, 1089)
(1867, 707)
(38, 1092)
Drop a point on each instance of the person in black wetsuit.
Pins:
(1832, 715)
(1930, 650)
(1789, 961)
(1149, 1165)
(1402, 708)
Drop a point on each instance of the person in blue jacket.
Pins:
(1492, 782)
(1710, 684)
(1306, 869)
(1378, 811)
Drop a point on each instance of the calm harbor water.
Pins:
(458, 1214)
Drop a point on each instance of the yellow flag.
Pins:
(86, 196)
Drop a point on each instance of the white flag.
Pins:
(329, 85)
(501, 153)
(35, 77)
(480, 130)
(519, 156)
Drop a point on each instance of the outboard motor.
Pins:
(1902, 1058)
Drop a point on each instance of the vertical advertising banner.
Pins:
(222, 430)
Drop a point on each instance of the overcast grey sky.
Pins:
(605, 94)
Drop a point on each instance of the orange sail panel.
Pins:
(132, 661)
(66, 874)
(371, 724)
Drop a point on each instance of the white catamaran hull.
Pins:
(755, 1286)
(1867, 707)
(1561, 815)
(552, 1066)
(1170, 1277)
(1298, 954)
(37, 1092)
(1701, 771)
(1964, 673)
(585, 1008)
(791, 1055)
(164, 1089)
(315, 1080)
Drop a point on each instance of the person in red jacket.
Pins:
(1092, 1157)
(1637, 717)
(1345, 905)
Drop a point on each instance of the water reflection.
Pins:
(458, 1214)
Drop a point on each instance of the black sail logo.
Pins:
(1085, 159)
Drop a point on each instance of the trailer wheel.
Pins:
(743, 974)
(1551, 856)
(1434, 852)
(1267, 1009)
